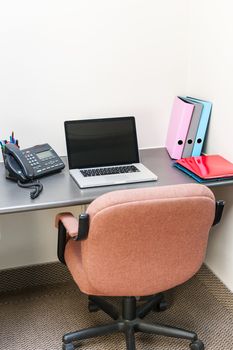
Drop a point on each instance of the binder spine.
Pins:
(202, 128)
(193, 127)
(178, 127)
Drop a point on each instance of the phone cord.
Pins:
(36, 186)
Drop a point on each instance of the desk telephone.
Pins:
(27, 165)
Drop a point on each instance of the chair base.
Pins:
(129, 323)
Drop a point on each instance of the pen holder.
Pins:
(4, 161)
(7, 173)
(3, 155)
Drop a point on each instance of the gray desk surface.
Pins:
(60, 190)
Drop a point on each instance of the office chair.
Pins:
(137, 242)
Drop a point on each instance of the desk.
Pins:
(60, 190)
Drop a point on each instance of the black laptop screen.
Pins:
(100, 142)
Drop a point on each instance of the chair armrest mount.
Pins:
(218, 211)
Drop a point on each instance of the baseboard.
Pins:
(34, 275)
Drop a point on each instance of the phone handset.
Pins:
(17, 163)
(20, 170)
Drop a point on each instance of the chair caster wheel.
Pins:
(197, 345)
(68, 346)
(161, 306)
(92, 307)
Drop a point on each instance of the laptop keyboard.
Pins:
(109, 170)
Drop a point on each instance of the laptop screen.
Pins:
(101, 142)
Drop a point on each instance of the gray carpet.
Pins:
(36, 318)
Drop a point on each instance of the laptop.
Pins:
(104, 152)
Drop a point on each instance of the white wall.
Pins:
(65, 60)
(74, 59)
(210, 76)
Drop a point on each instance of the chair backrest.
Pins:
(147, 240)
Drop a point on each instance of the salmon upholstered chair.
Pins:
(137, 242)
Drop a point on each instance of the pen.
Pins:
(12, 139)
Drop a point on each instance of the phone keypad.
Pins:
(42, 167)
(31, 158)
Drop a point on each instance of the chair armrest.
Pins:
(218, 211)
(69, 226)
(69, 222)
